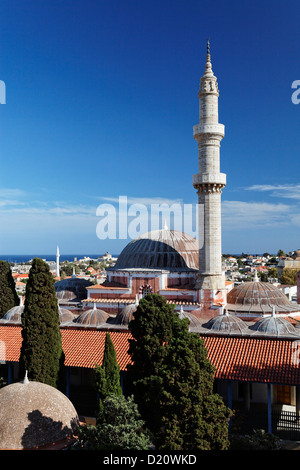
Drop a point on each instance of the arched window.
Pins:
(144, 290)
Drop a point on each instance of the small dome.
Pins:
(72, 289)
(274, 325)
(93, 317)
(258, 298)
(161, 249)
(126, 315)
(227, 323)
(194, 321)
(14, 314)
(65, 315)
(34, 414)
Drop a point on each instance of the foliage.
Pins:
(107, 376)
(172, 380)
(259, 440)
(281, 253)
(41, 350)
(8, 295)
(272, 273)
(289, 276)
(188, 403)
(151, 329)
(119, 427)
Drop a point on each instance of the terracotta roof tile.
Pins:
(264, 360)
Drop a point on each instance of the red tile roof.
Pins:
(85, 347)
(82, 347)
(264, 360)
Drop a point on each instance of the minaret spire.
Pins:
(57, 262)
(209, 181)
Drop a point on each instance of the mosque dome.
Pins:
(72, 289)
(194, 321)
(65, 315)
(33, 415)
(92, 317)
(226, 323)
(161, 249)
(14, 314)
(125, 316)
(258, 298)
(274, 325)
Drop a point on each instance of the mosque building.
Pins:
(186, 271)
(249, 331)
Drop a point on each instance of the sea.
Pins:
(20, 259)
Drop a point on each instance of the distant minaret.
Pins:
(57, 262)
(209, 182)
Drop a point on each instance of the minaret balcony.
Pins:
(209, 178)
(215, 129)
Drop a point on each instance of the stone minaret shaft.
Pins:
(209, 182)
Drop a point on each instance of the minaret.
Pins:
(209, 182)
(57, 262)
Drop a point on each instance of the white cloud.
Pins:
(290, 191)
(241, 214)
(143, 200)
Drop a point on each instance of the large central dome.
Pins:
(161, 249)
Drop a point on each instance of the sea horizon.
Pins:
(19, 259)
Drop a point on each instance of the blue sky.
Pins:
(101, 99)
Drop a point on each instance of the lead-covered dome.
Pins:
(72, 289)
(125, 316)
(33, 415)
(275, 325)
(65, 315)
(258, 298)
(226, 323)
(161, 249)
(93, 317)
(14, 315)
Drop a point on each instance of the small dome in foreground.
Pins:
(194, 321)
(275, 325)
(126, 315)
(226, 323)
(92, 317)
(14, 314)
(33, 415)
(65, 315)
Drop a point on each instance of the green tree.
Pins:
(151, 329)
(119, 427)
(281, 253)
(289, 276)
(193, 416)
(41, 350)
(107, 376)
(8, 295)
(172, 380)
(272, 273)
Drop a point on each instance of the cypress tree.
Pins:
(152, 329)
(172, 380)
(108, 374)
(41, 349)
(8, 295)
(193, 416)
